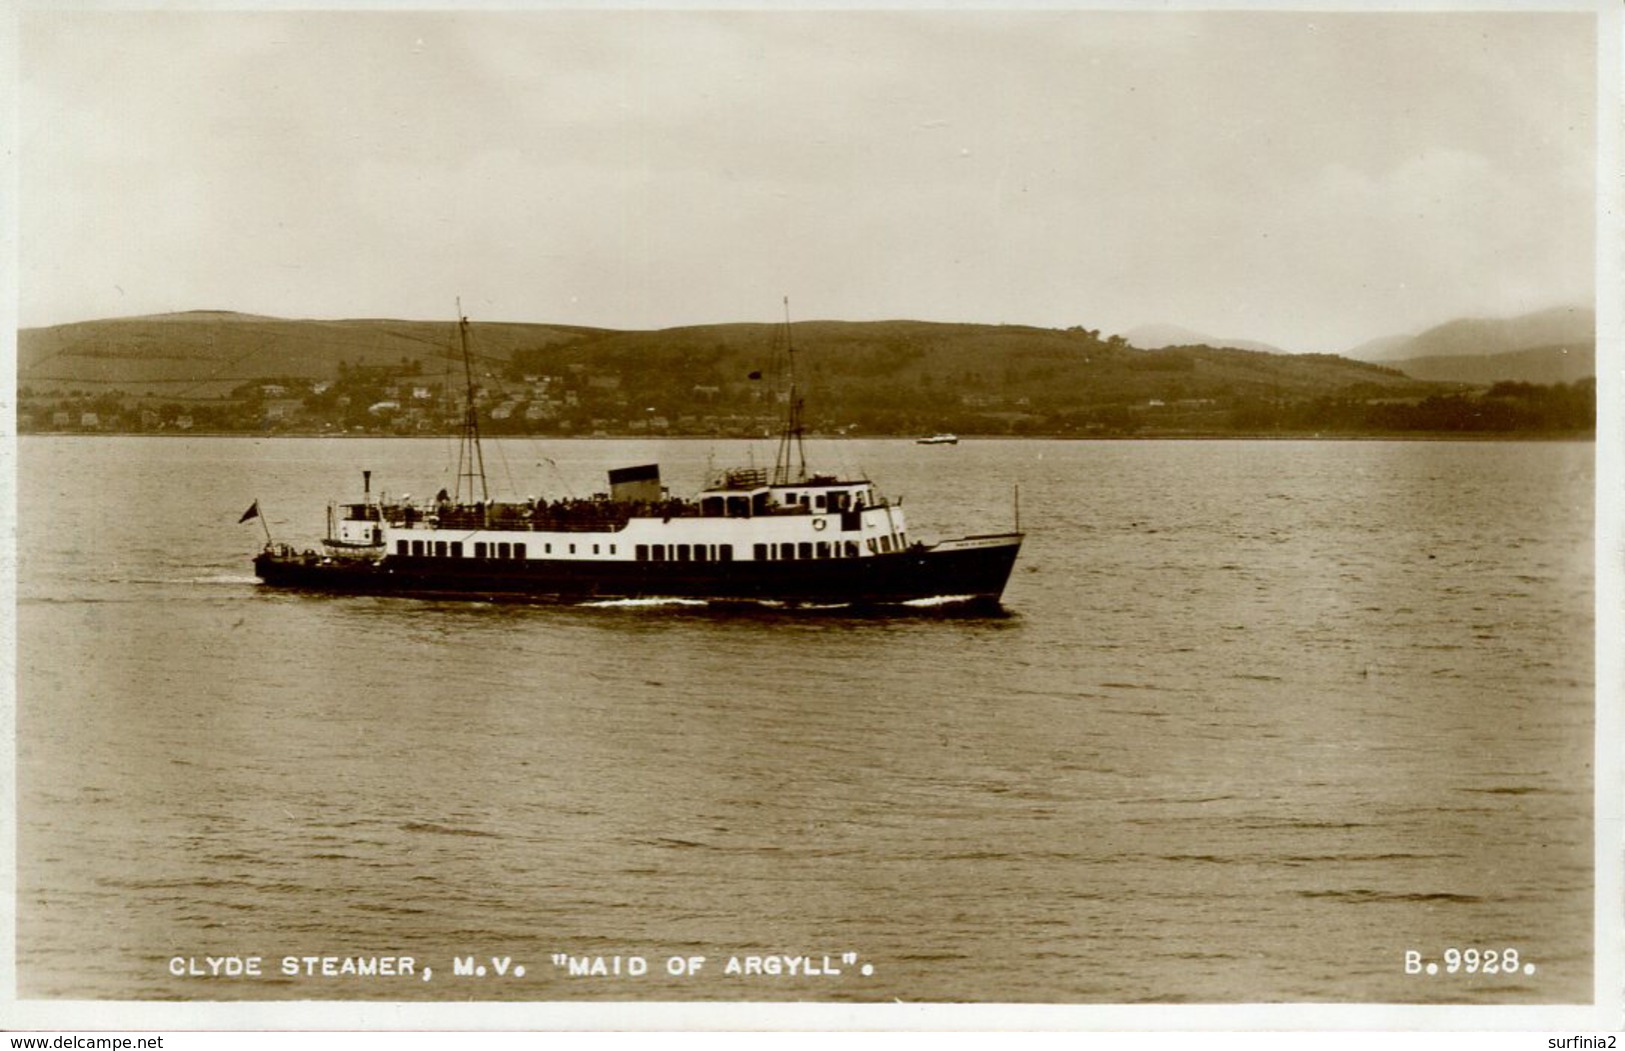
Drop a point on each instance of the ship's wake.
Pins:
(934, 605)
(939, 601)
(643, 603)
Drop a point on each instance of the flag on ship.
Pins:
(252, 512)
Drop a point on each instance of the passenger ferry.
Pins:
(781, 537)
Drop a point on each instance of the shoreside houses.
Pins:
(380, 400)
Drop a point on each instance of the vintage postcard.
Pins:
(1080, 517)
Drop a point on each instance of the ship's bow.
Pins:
(977, 567)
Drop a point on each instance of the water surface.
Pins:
(1262, 717)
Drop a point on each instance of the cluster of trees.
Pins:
(1561, 408)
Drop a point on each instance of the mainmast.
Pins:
(793, 429)
(470, 457)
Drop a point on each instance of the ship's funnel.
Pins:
(634, 484)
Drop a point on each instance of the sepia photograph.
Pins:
(553, 517)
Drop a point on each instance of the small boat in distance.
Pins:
(786, 537)
(938, 439)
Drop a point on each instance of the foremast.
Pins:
(470, 457)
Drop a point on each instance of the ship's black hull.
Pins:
(973, 571)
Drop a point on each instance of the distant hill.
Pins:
(1548, 346)
(1382, 348)
(1157, 337)
(1562, 364)
(1570, 326)
(175, 351)
(207, 353)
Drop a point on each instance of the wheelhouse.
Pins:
(747, 493)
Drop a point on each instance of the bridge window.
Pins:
(641, 552)
(759, 552)
(659, 552)
(400, 547)
(417, 548)
(682, 552)
(818, 502)
(440, 549)
(804, 549)
(851, 549)
(479, 549)
(700, 553)
(725, 552)
(504, 550)
(519, 551)
(456, 549)
(823, 549)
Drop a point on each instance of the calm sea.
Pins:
(1262, 718)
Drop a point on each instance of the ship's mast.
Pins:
(793, 429)
(470, 457)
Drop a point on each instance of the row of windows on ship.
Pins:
(717, 505)
(822, 549)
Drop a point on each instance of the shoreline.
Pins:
(1295, 436)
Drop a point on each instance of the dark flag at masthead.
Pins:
(252, 512)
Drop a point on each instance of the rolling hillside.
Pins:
(214, 348)
(208, 353)
(228, 371)
(1560, 364)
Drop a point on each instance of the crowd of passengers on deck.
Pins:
(572, 513)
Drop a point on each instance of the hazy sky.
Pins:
(1312, 180)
